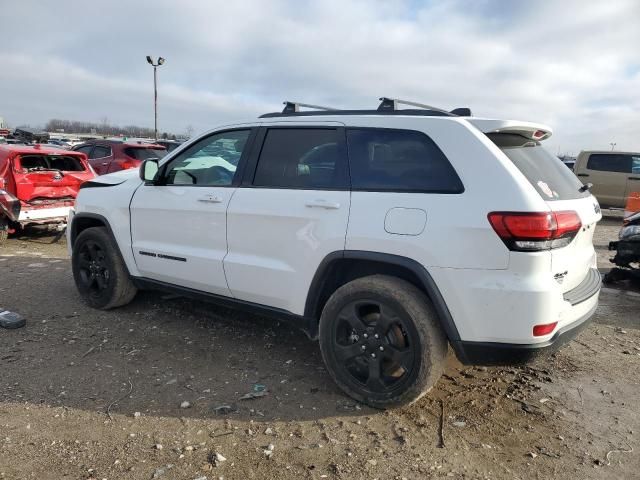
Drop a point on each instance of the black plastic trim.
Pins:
(301, 322)
(493, 353)
(429, 285)
(586, 289)
(92, 184)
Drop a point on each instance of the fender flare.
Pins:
(105, 222)
(426, 280)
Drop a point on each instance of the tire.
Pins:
(381, 341)
(100, 274)
(4, 230)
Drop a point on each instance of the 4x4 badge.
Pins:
(596, 208)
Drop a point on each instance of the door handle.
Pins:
(210, 199)
(320, 203)
(633, 178)
(105, 164)
(583, 174)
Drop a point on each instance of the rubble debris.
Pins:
(11, 320)
(268, 452)
(252, 395)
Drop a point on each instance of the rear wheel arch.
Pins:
(339, 268)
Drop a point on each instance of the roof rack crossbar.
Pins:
(387, 103)
(293, 107)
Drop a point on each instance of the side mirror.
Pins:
(149, 170)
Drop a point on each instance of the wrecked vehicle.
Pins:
(38, 185)
(627, 248)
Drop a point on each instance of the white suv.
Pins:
(388, 234)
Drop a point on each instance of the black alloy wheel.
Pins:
(93, 268)
(374, 345)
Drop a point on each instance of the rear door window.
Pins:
(302, 158)
(100, 151)
(399, 161)
(610, 162)
(544, 171)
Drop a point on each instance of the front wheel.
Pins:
(381, 341)
(100, 274)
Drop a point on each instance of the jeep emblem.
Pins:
(596, 208)
(57, 177)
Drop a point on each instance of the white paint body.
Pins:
(264, 245)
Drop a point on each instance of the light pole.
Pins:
(155, 92)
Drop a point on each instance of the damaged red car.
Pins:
(38, 185)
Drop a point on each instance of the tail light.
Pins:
(128, 163)
(535, 231)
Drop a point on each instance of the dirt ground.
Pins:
(86, 394)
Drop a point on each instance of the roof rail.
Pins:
(390, 104)
(387, 103)
(294, 107)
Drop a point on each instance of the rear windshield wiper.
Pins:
(586, 187)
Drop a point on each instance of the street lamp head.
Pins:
(149, 60)
(160, 61)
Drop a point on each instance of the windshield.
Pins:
(145, 153)
(546, 172)
(63, 163)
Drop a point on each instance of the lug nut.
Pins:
(382, 349)
(376, 336)
(364, 347)
(373, 355)
(366, 335)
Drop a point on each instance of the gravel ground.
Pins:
(154, 390)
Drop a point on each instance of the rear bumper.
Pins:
(44, 215)
(493, 353)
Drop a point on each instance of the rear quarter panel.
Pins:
(457, 233)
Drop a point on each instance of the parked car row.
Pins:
(39, 182)
(112, 155)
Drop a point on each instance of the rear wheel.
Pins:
(381, 341)
(99, 271)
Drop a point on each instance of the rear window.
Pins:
(51, 162)
(545, 172)
(144, 153)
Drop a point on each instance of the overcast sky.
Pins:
(574, 65)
